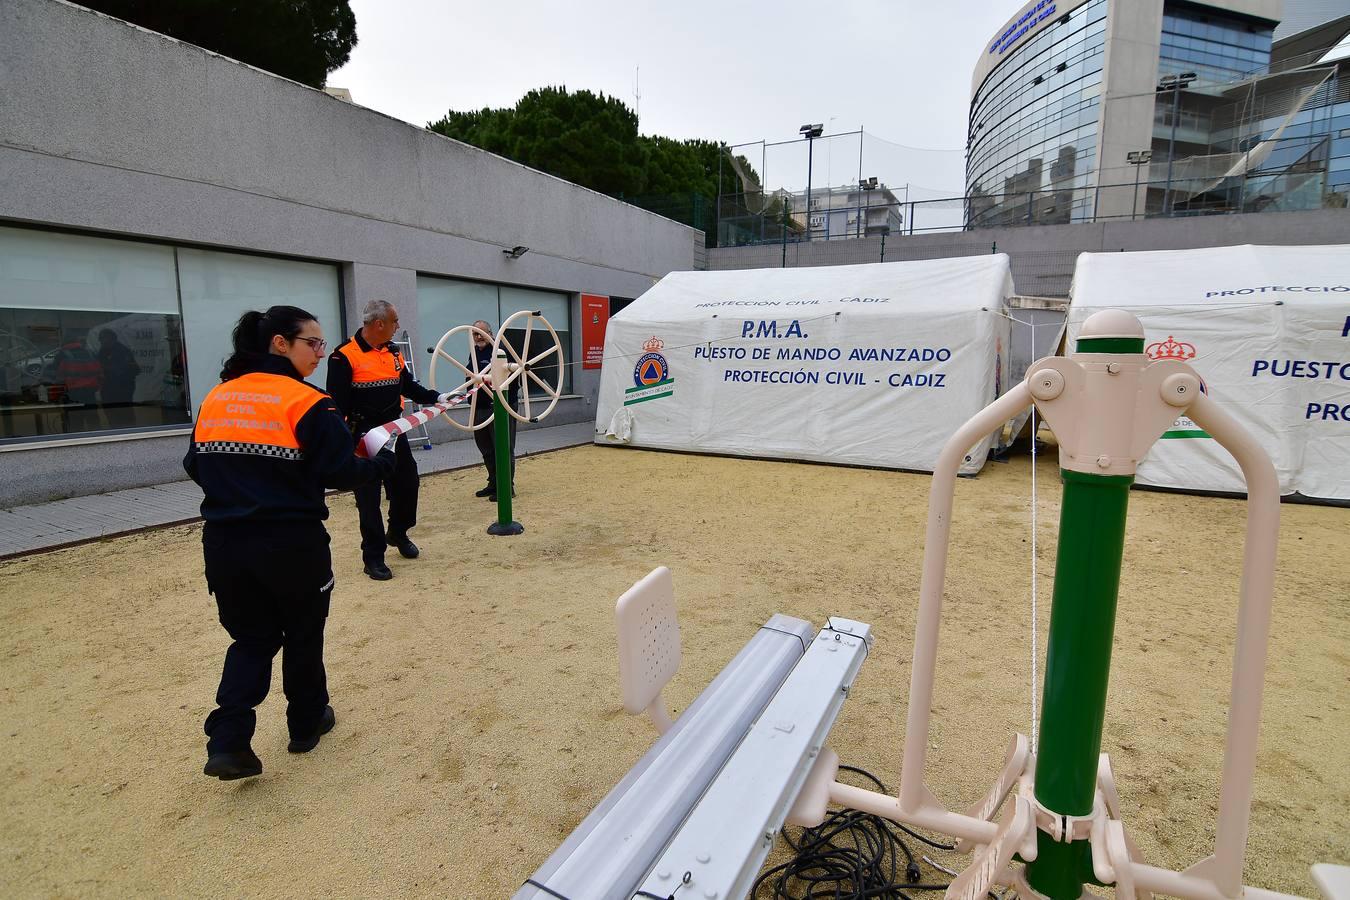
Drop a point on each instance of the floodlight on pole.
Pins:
(1137, 158)
(1176, 84)
(810, 132)
(865, 186)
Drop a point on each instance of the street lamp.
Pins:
(1175, 84)
(868, 185)
(810, 132)
(1137, 158)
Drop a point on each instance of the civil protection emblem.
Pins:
(651, 375)
(651, 367)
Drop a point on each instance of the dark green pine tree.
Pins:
(302, 40)
(586, 138)
(592, 140)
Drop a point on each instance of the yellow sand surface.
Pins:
(477, 699)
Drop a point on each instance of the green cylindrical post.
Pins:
(502, 442)
(501, 439)
(1078, 658)
(1077, 669)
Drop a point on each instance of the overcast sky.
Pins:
(734, 72)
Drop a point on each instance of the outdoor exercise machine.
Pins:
(696, 816)
(478, 385)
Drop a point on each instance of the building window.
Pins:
(91, 337)
(555, 308)
(99, 335)
(218, 288)
(444, 303)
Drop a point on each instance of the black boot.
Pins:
(304, 745)
(379, 571)
(235, 764)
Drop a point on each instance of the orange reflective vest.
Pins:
(255, 414)
(374, 368)
(266, 444)
(369, 383)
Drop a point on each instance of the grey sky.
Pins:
(731, 72)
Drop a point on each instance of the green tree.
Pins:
(586, 138)
(302, 40)
(592, 140)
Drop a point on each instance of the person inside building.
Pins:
(368, 380)
(78, 376)
(120, 371)
(265, 446)
(486, 436)
(77, 370)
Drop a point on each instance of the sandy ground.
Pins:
(478, 713)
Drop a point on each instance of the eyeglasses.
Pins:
(318, 345)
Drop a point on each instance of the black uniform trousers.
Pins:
(486, 439)
(401, 485)
(272, 582)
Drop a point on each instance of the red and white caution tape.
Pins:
(375, 438)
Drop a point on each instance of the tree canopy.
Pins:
(588, 139)
(592, 140)
(302, 40)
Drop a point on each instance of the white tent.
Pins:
(1267, 329)
(873, 365)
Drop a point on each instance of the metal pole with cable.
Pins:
(1137, 158)
(1174, 83)
(810, 132)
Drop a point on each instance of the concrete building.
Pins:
(151, 191)
(1087, 110)
(866, 209)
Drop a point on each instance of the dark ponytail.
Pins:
(253, 335)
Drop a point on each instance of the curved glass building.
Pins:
(1032, 140)
(1079, 108)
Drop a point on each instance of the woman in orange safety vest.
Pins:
(265, 446)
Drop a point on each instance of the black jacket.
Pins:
(484, 358)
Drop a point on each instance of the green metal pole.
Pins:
(1077, 669)
(1078, 658)
(501, 439)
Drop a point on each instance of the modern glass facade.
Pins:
(1291, 152)
(1217, 48)
(1202, 53)
(1238, 123)
(1242, 140)
(1032, 142)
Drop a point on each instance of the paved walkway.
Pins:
(46, 526)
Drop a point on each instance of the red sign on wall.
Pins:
(594, 318)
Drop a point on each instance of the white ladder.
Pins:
(418, 438)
